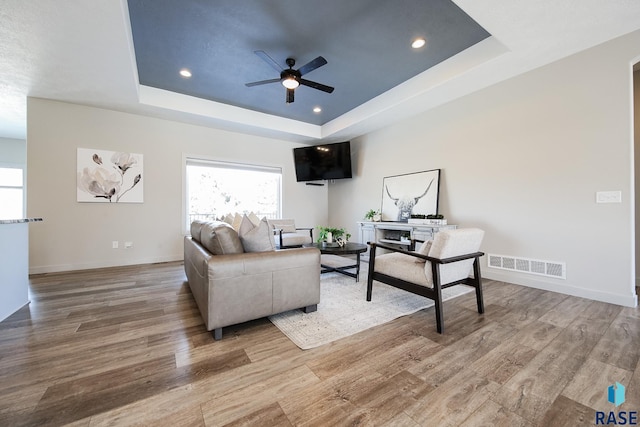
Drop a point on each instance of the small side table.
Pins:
(348, 249)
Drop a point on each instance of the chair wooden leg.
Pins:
(439, 316)
(438, 298)
(372, 261)
(478, 279)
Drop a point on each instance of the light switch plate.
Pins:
(609, 197)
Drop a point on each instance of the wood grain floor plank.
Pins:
(440, 367)
(240, 402)
(502, 362)
(532, 390)
(77, 399)
(270, 415)
(632, 395)
(563, 314)
(152, 410)
(620, 346)
(589, 385)
(454, 401)
(490, 414)
(567, 413)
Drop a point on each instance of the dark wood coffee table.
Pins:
(348, 249)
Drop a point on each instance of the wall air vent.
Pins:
(557, 270)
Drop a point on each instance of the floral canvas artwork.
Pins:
(109, 176)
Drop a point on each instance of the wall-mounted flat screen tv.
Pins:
(318, 162)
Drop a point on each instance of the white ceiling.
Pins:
(81, 52)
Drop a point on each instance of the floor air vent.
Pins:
(553, 269)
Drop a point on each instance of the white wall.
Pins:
(79, 235)
(636, 144)
(523, 160)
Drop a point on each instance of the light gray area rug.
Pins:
(344, 310)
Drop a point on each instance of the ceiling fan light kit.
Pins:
(290, 78)
(290, 83)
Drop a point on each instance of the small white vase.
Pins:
(329, 238)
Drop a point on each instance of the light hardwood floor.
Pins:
(126, 346)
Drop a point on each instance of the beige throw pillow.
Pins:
(256, 239)
(220, 239)
(254, 219)
(424, 250)
(237, 219)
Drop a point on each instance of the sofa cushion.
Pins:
(255, 238)
(196, 229)
(220, 238)
(403, 267)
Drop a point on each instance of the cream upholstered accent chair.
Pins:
(287, 235)
(446, 261)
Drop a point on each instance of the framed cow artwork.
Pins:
(410, 194)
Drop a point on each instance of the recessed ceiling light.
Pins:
(317, 109)
(418, 43)
(185, 73)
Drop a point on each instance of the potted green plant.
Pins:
(372, 215)
(330, 236)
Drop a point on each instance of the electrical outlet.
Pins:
(128, 245)
(609, 197)
(114, 244)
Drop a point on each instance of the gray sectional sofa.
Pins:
(231, 286)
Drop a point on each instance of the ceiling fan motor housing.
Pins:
(285, 74)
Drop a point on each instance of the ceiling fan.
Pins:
(291, 78)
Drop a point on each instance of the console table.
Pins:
(396, 233)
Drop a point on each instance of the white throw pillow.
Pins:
(246, 225)
(237, 219)
(424, 250)
(256, 239)
(254, 219)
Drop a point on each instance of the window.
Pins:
(215, 189)
(11, 193)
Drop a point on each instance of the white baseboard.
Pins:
(89, 266)
(629, 300)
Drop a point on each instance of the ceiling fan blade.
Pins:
(290, 93)
(310, 66)
(262, 82)
(269, 60)
(315, 85)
